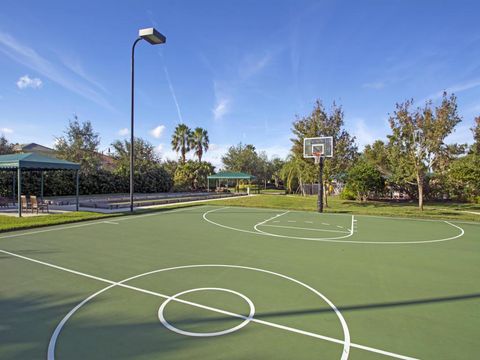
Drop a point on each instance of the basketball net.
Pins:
(317, 155)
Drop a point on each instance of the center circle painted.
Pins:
(169, 326)
(346, 333)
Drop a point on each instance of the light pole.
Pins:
(154, 38)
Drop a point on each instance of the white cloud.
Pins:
(30, 58)
(172, 92)
(221, 108)
(6, 130)
(365, 134)
(74, 64)
(166, 153)
(252, 64)
(158, 131)
(276, 151)
(456, 88)
(123, 132)
(374, 85)
(27, 82)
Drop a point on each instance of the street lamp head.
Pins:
(152, 36)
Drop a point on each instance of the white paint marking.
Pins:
(291, 221)
(309, 222)
(111, 222)
(346, 342)
(96, 222)
(310, 229)
(335, 239)
(206, 334)
(326, 224)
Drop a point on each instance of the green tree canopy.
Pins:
(80, 144)
(364, 178)
(417, 140)
(6, 147)
(199, 142)
(181, 140)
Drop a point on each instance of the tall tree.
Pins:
(80, 144)
(417, 140)
(476, 136)
(292, 173)
(243, 158)
(181, 140)
(6, 147)
(322, 123)
(199, 142)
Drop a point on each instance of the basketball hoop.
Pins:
(317, 155)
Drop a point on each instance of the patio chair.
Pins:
(24, 204)
(37, 205)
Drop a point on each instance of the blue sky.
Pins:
(241, 69)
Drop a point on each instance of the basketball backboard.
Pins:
(322, 144)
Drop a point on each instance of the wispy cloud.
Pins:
(123, 132)
(27, 82)
(253, 64)
(221, 108)
(222, 102)
(31, 59)
(377, 85)
(172, 92)
(456, 88)
(158, 131)
(74, 64)
(6, 130)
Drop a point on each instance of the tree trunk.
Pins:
(325, 194)
(301, 186)
(420, 191)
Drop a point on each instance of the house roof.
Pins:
(34, 161)
(231, 175)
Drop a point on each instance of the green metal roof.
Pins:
(35, 162)
(231, 175)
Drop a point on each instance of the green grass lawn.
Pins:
(447, 210)
(402, 287)
(436, 210)
(8, 223)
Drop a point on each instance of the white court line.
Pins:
(336, 239)
(326, 224)
(302, 228)
(111, 222)
(260, 232)
(121, 284)
(99, 221)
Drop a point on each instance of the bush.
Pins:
(347, 194)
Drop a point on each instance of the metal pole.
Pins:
(19, 191)
(77, 191)
(320, 186)
(132, 138)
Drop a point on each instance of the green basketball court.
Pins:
(209, 282)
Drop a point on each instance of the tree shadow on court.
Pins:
(346, 308)
(27, 322)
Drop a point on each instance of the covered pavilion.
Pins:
(35, 162)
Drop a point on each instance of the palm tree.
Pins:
(181, 140)
(199, 142)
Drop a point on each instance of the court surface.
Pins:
(208, 282)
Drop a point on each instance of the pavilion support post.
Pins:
(77, 176)
(19, 191)
(41, 185)
(14, 188)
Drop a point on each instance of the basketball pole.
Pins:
(320, 186)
